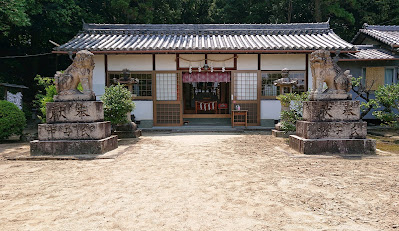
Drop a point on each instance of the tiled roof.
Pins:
(369, 52)
(219, 37)
(385, 34)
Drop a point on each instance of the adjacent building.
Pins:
(377, 59)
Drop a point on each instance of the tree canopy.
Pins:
(26, 26)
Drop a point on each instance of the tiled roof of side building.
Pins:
(205, 37)
(385, 34)
(369, 52)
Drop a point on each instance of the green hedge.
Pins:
(12, 120)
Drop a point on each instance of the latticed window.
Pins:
(270, 90)
(245, 86)
(300, 76)
(143, 88)
(268, 87)
(166, 85)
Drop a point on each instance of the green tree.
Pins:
(45, 95)
(12, 13)
(387, 104)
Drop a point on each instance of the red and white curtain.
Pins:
(206, 77)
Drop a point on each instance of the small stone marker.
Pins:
(331, 121)
(75, 121)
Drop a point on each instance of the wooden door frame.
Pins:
(259, 88)
(179, 96)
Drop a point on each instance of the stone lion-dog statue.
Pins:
(80, 71)
(324, 69)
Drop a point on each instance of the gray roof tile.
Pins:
(385, 34)
(369, 52)
(181, 37)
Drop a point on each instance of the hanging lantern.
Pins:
(199, 69)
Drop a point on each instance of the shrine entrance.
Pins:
(206, 98)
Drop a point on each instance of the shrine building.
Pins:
(196, 74)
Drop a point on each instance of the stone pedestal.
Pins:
(278, 131)
(332, 127)
(74, 128)
(281, 134)
(128, 130)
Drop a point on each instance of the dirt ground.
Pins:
(200, 181)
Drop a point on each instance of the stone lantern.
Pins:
(285, 83)
(126, 80)
(128, 130)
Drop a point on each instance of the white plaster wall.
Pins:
(191, 57)
(281, 61)
(99, 75)
(217, 57)
(270, 109)
(131, 62)
(143, 110)
(247, 62)
(165, 62)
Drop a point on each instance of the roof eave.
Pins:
(199, 51)
(348, 60)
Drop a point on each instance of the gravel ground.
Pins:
(200, 181)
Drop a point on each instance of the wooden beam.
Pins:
(219, 116)
(207, 51)
(5, 93)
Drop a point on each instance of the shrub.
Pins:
(42, 98)
(295, 102)
(12, 120)
(117, 103)
(387, 101)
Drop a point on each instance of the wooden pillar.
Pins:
(307, 73)
(153, 62)
(106, 69)
(5, 93)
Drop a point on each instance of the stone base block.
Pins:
(128, 134)
(282, 134)
(73, 147)
(330, 96)
(338, 110)
(75, 131)
(131, 126)
(331, 130)
(77, 111)
(75, 97)
(332, 146)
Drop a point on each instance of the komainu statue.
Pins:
(324, 69)
(80, 71)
